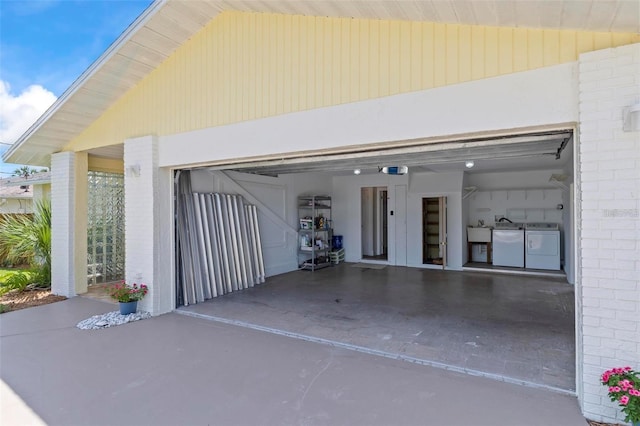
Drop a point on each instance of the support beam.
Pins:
(69, 223)
(149, 224)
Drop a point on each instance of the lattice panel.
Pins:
(105, 233)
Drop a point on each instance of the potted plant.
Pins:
(624, 388)
(128, 296)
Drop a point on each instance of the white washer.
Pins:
(508, 245)
(542, 246)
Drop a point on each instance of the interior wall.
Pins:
(405, 224)
(279, 195)
(399, 223)
(525, 196)
(380, 216)
(465, 218)
(347, 212)
(517, 205)
(436, 185)
(367, 225)
(568, 220)
(526, 179)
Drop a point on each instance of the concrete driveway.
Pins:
(178, 370)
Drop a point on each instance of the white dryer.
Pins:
(542, 246)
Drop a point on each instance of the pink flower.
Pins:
(615, 389)
(634, 392)
(605, 377)
(624, 400)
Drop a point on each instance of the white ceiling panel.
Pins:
(143, 53)
(465, 11)
(603, 14)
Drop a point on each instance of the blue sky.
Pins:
(44, 46)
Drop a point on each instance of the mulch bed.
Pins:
(15, 300)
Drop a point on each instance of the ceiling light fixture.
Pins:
(469, 164)
(357, 172)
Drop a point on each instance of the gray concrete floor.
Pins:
(177, 370)
(520, 329)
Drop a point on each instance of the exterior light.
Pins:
(134, 170)
(469, 164)
(357, 172)
(631, 118)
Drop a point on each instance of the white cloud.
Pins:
(19, 112)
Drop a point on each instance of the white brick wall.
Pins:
(68, 223)
(608, 295)
(148, 225)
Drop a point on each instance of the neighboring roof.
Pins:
(11, 191)
(165, 25)
(34, 179)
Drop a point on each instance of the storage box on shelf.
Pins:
(315, 232)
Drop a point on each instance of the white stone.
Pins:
(111, 319)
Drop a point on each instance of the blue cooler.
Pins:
(336, 242)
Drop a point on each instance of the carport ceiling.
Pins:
(533, 151)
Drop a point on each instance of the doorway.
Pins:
(434, 231)
(374, 225)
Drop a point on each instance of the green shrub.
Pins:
(19, 280)
(29, 239)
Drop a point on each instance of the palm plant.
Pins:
(25, 239)
(24, 171)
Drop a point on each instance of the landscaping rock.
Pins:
(111, 319)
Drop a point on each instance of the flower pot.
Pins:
(127, 308)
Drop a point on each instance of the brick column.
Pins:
(148, 224)
(608, 175)
(69, 223)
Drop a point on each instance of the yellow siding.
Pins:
(244, 66)
(100, 164)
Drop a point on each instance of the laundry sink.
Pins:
(478, 235)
